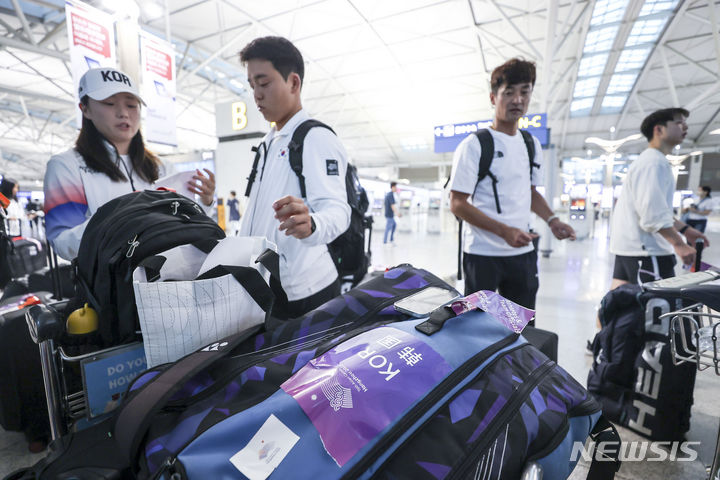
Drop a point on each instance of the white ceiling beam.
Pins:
(701, 98)
(166, 14)
(512, 25)
(714, 27)
(639, 106)
(36, 95)
(706, 128)
(584, 28)
(23, 21)
(690, 60)
(674, 20)
(50, 36)
(549, 52)
(212, 57)
(29, 47)
(668, 76)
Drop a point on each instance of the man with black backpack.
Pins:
(297, 186)
(492, 189)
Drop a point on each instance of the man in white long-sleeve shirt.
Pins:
(644, 233)
(301, 227)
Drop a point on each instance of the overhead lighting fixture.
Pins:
(611, 146)
(715, 132)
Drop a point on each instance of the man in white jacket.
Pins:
(644, 233)
(300, 227)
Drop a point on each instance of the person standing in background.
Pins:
(644, 235)
(390, 212)
(15, 213)
(697, 213)
(234, 215)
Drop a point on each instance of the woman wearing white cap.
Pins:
(109, 159)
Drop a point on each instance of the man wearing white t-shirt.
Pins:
(644, 234)
(498, 249)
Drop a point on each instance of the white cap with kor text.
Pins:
(101, 83)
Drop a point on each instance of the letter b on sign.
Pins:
(239, 115)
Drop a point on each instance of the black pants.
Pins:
(654, 267)
(697, 224)
(515, 278)
(287, 310)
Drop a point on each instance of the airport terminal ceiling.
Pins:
(385, 73)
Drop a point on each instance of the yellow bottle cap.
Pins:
(81, 321)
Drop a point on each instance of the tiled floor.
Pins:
(572, 281)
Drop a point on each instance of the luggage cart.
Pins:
(685, 327)
(79, 386)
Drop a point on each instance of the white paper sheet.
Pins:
(178, 182)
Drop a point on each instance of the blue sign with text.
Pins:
(107, 375)
(448, 137)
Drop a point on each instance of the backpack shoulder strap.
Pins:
(253, 171)
(487, 152)
(296, 149)
(530, 145)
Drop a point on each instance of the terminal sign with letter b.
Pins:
(239, 115)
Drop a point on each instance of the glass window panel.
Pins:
(581, 104)
(586, 87)
(621, 83)
(645, 31)
(608, 11)
(592, 65)
(614, 101)
(654, 6)
(600, 40)
(632, 59)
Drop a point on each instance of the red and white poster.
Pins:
(158, 89)
(91, 36)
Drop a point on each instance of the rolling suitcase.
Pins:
(26, 256)
(22, 394)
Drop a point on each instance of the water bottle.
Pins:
(705, 342)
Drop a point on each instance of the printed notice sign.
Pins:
(265, 450)
(352, 392)
(92, 41)
(157, 59)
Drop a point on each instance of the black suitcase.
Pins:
(42, 281)
(543, 340)
(22, 393)
(26, 256)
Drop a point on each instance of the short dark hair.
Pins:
(514, 71)
(706, 189)
(393, 184)
(284, 56)
(7, 185)
(232, 192)
(660, 117)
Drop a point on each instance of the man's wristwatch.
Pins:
(313, 227)
(682, 230)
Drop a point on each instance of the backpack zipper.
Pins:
(508, 410)
(425, 405)
(220, 383)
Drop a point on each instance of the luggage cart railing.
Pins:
(694, 339)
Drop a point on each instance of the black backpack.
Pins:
(633, 374)
(126, 232)
(348, 249)
(487, 153)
